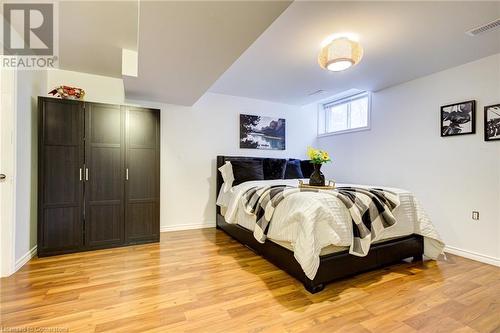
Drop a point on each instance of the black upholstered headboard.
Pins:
(221, 160)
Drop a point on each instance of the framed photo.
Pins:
(458, 119)
(258, 132)
(492, 122)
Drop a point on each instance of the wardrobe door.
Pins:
(104, 175)
(60, 163)
(142, 187)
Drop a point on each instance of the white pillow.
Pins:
(227, 174)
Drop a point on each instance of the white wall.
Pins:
(192, 137)
(30, 84)
(451, 176)
(97, 88)
(8, 87)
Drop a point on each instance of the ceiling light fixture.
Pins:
(340, 54)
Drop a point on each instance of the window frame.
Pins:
(325, 116)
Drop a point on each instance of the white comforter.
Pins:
(311, 221)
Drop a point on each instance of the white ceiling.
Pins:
(402, 41)
(93, 33)
(184, 47)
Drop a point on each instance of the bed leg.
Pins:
(314, 288)
(418, 258)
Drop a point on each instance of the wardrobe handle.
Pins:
(86, 174)
(80, 174)
(126, 174)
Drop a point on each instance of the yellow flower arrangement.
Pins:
(318, 156)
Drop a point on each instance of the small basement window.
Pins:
(345, 115)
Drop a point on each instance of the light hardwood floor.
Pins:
(203, 281)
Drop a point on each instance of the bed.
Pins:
(332, 262)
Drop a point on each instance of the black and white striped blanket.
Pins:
(370, 210)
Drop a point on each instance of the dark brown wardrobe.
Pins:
(98, 176)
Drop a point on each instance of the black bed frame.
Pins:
(332, 266)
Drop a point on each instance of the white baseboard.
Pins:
(177, 227)
(473, 255)
(24, 259)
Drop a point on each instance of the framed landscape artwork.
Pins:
(492, 122)
(259, 132)
(458, 118)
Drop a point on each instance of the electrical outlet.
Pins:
(475, 215)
